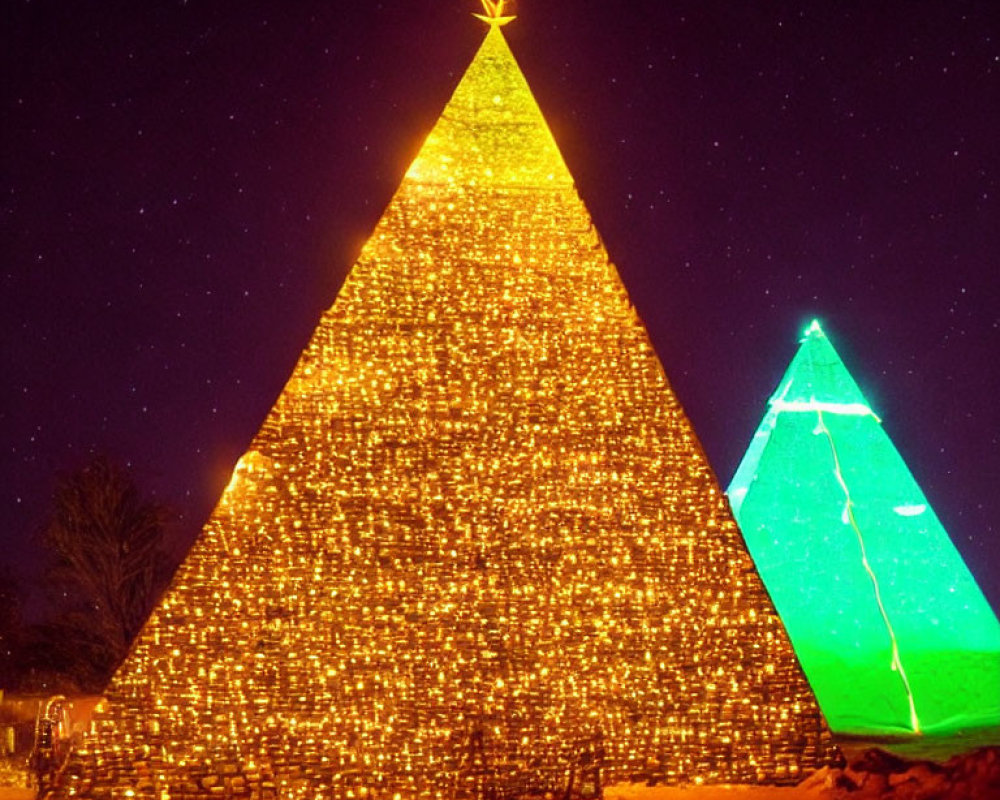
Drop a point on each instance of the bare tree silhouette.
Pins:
(106, 572)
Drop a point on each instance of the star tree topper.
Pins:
(494, 13)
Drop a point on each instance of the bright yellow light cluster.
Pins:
(475, 546)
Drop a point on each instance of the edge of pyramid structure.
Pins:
(889, 624)
(475, 547)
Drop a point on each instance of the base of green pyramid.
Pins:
(862, 697)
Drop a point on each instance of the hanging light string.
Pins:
(897, 663)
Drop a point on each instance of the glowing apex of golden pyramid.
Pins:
(492, 132)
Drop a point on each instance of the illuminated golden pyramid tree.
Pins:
(475, 547)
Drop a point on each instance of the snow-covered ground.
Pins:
(618, 793)
(869, 775)
(641, 792)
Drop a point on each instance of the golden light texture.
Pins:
(475, 544)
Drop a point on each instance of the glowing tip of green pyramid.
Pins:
(814, 328)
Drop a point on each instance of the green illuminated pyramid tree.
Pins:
(890, 626)
(475, 547)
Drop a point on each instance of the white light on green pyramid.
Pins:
(890, 626)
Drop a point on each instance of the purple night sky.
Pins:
(186, 184)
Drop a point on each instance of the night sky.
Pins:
(186, 184)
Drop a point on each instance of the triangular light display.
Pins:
(475, 547)
(890, 626)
